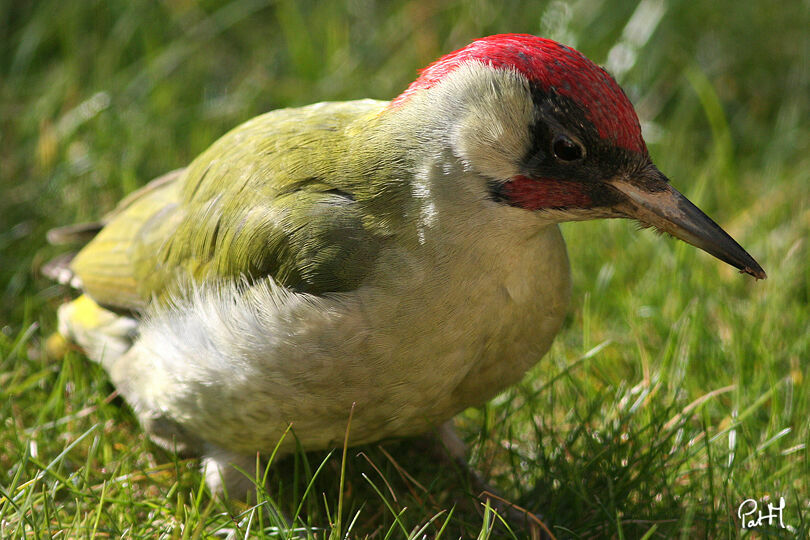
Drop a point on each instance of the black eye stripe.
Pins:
(557, 115)
(566, 149)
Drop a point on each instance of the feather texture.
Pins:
(267, 199)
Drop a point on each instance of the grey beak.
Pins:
(653, 201)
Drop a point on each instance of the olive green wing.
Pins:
(105, 268)
(269, 198)
(82, 233)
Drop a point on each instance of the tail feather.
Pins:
(78, 233)
(58, 269)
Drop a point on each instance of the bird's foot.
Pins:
(230, 474)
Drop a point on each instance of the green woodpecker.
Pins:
(403, 256)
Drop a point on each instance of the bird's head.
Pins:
(553, 133)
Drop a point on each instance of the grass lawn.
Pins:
(675, 391)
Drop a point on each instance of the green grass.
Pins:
(675, 391)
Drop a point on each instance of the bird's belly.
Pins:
(407, 353)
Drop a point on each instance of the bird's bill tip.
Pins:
(654, 202)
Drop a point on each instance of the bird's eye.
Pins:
(566, 149)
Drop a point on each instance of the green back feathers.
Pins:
(294, 194)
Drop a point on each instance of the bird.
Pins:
(399, 261)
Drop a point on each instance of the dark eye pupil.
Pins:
(566, 149)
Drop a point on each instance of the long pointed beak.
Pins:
(653, 201)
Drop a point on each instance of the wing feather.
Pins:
(268, 198)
